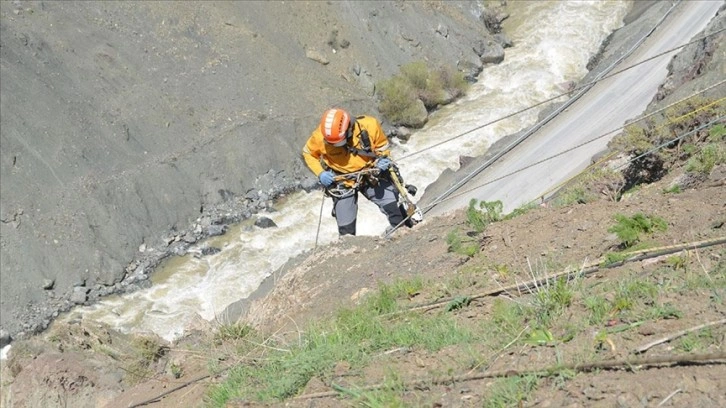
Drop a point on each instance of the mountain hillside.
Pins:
(611, 293)
(130, 125)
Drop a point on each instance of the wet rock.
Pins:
(215, 230)
(503, 40)
(80, 294)
(189, 238)
(264, 222)
(5, 338)
(210, 251)
(493, 53)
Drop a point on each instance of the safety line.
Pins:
(443, 198)
(562, 107)
(439, 200)
(611, 154)
(722, 118)
(579, 89)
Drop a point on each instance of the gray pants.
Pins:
(384, 195)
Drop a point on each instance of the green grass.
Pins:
(353, 336)
(541, 318)
(630, 229)
(599, 309)
(457, 244)
(510, 392)
(709, 157)
(550, 300)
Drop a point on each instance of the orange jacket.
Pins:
(316, 152)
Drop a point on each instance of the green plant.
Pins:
(508, 319)
(511, 392)
(551, 299)
(612, 258)
(664, 311)
(629, 229)
(147, 350)
(675, 189)
(456, 245)
(703, 162)
(234, 331)
(458, 302)
(717, 133)
(632, 291)
(353, 335)
(676, 262)
(540, 337)
(400, 95)
(525, 208)
(398, 100)
(176, 370)
(599, 309)
(390, 395)
(486, 213)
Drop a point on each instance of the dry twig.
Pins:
(677, 335)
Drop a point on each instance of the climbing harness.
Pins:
(339, 189)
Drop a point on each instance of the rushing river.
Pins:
(553, 41)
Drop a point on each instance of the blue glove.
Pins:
(326, 178)
(383, 163)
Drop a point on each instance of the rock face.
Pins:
(130, 130)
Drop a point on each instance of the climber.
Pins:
(350, 156)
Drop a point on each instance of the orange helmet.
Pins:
(334, 126)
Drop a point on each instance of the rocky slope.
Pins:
(132, 129)
(82, 363)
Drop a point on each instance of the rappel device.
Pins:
(413, 214)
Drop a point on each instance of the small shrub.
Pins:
(457, 246)
(487, 213)
(703, 162)
(599, 309)
(717, 133)
(629, 229)
(398, 100)
(400, 94)
(233, 331)
(521, 210)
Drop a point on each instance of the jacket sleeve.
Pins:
(379, 140)
(311, 153)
